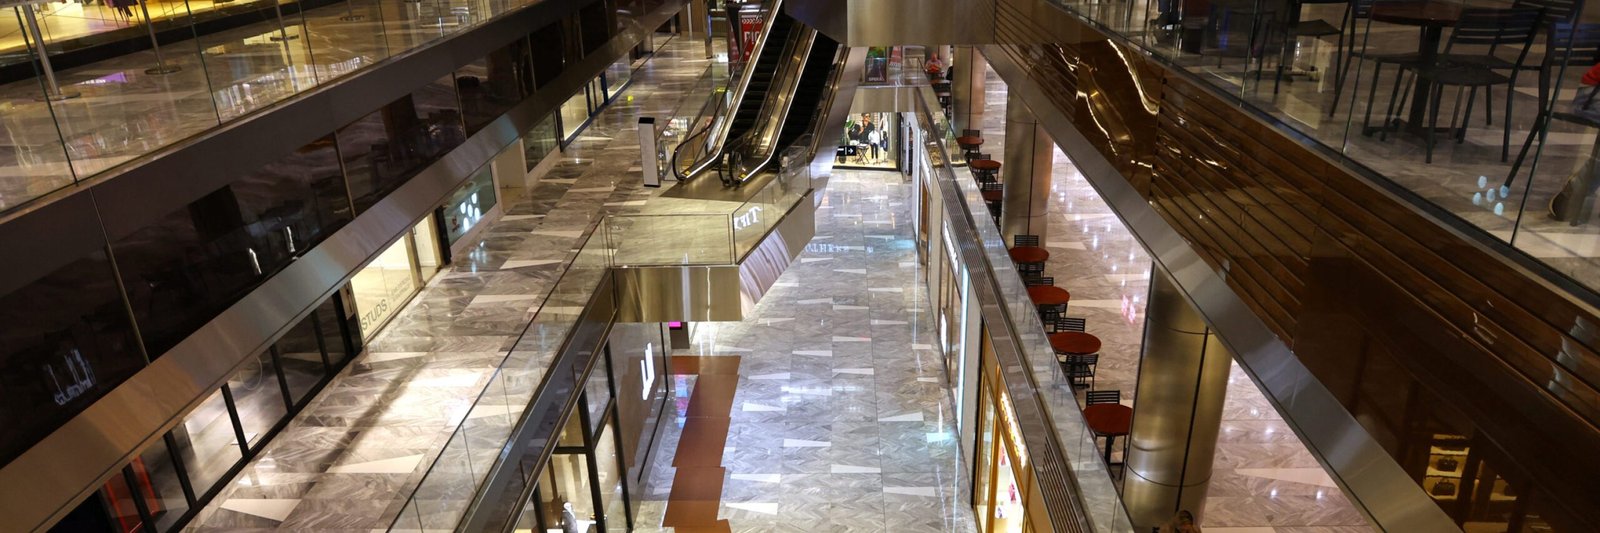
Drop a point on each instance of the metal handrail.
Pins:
(721, 127)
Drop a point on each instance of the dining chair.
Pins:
(1069, 323)
(1477, 27)
(1024, 240)
(1096, 397)
(1036, 281)
(1567, 45)
(1288, 36)
(1080, 369)
(1345, 50)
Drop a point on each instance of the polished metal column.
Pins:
(967, 88)
(1026, 172)
(1183, 379)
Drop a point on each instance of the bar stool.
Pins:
(985, 170)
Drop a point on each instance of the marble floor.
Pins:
(840, 420)
(351, 458)
(1264, 479)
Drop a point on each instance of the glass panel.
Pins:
(670, 239)
(301, 359)
(427, 246)
(598, 392)
(258, 397)
(156, 475)
(333, 336)
(31, 146)
(66, 342)
(468, 204)
(345, 37)
(384, 149)
(206, 443)
(567, 502)
(986, 431)
(491, 86)
(186, 267)
(608, 468)
(547, 63)
(617, 77)
(541, 141)
(383, 286)
(574, 112)
(256, 64)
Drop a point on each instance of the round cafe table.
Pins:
(1109, 420)
(1028, 254)
(984, 169)
(1074, 343)
(995, 196)
(969, 142)
(1433, 16)
(1048, 295)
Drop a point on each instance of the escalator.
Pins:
(771, 105)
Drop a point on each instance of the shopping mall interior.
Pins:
(1246, 266)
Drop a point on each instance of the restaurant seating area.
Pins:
(1465, 105)
(1077, 350)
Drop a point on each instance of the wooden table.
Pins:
(1109, 420)
(1074, 343)
(1048, 295)
(968, 142)
(986, 165)
(995, 196)
(1027, 254)
(1433, 16)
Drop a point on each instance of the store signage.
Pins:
(749, 218)
(1010, 421)
(76, 379)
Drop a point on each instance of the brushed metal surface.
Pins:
(45, 482)
(888, 99)
(897, 22)
(709, 293)
(1183, 380)
(1380, 487)
(1027, 172)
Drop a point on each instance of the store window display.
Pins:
(383, 286)
(871, 140)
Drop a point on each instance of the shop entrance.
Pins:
(383, 286)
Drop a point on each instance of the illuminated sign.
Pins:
(1010, 421)
(79, 377)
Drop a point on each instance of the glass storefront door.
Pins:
(870, 140)
(383, 286)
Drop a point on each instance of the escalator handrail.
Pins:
(802, 49)
(721, 128)
(718, 107)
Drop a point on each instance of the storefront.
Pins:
(1003, 487)
(471, 203)
(382, 287)
(593, 478)
(870, 140)
(167, 480)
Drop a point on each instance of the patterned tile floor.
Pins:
(353, 455)
(1264, 479)
(840, 420)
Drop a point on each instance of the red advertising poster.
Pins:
(750, 29)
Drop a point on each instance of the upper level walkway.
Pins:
(355, 454)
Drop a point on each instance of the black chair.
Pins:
(1031, 280)
(1069, 323)
(994, 206)
(1345, 49)
(1487, 27)
(1568, 45)
(1079, 370)
(1095, 397)
(1288, 35)
(1025, 240)
(1221, 27)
